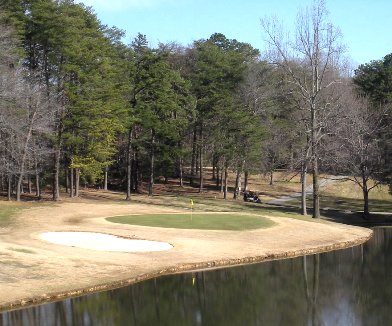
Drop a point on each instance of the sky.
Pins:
(366, 25)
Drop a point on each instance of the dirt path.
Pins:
(33, 271)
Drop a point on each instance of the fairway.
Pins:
(200, 221)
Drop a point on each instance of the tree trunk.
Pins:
(291, 151)
(217, 176)
(197, 160)
(129, 165)
(181, 162)
(136, 173)
(316, 190)
(152, 158)
(214, 167)
(365, 192)
(19, 187)
(366, 212)
(77, 181)
(37, 181)
(246, 181)
(14, 184)
(237, 188)
(9, 190)
(303, 189)
(22, 189)
(71, 183)
(239, 184)
(271, 177)
(201, 174)
(105, 179)
(56, 174)
(29, 188)
(67, 180)
(194, 153)
(226, 182)
(222, 181)
(316, 194)
(23, 160)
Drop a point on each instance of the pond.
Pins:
(346, 287)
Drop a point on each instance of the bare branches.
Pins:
(310, 63)
(25, 114)
(316, 48)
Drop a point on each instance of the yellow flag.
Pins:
(191, 203)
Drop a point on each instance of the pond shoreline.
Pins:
(40, 272)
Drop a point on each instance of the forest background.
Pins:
(77, 105)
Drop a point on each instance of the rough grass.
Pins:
(200, 221)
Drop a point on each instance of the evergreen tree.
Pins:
(160, 103)
(219, 66)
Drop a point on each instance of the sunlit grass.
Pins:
(201, 221)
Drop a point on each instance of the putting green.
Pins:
(201, 221)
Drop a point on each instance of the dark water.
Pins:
(347, 287)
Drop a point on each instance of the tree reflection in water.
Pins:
(347, 287)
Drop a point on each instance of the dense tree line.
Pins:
(79, 105)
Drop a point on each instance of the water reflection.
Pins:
(347, 287)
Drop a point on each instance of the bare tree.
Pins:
(358, 147)
(316, 50)
(24, 116)
(36, 120)
(9, 77)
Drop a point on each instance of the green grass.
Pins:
(7, 211)
(200, 221)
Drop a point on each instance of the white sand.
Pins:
(103, 242)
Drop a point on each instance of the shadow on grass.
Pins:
(346, 214)
(353, 204)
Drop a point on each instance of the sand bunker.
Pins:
(103, 242)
